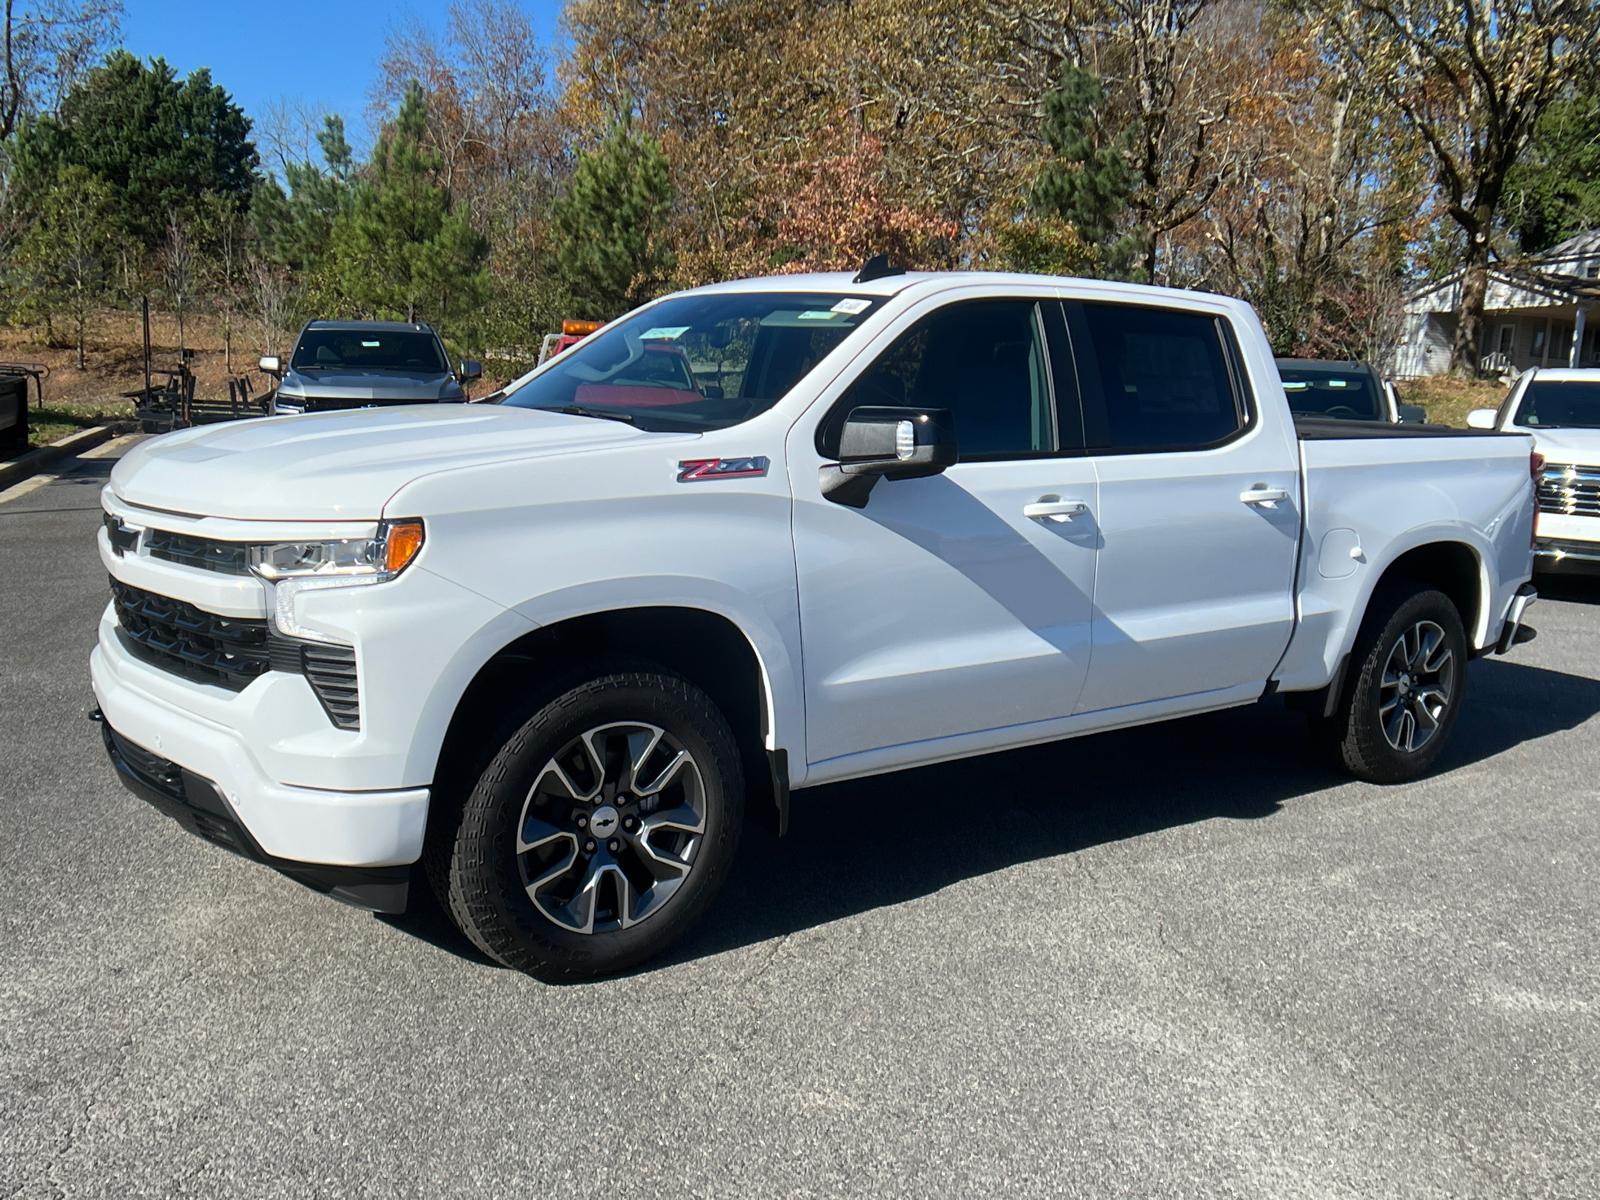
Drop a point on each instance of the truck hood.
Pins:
(341, 465)
(1579, 447)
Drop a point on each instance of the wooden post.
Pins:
(146, 306)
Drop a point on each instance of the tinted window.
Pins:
(1573, 405)
(1342, 395)
(697, 362)
(1152, 378)
(984, 361)
(368, 350)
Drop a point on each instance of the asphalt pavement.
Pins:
(1174, 961)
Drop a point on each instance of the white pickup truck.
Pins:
(1560, 409)
(763, 536)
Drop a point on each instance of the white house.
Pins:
(1542, 313)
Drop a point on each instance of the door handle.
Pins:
(1054, 509)
(1264, 496)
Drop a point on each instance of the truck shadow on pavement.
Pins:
(871, 843)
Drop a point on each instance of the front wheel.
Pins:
(1409, 676)
(600, 831)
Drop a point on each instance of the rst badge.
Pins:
(698, 470)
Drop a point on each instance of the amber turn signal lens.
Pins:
(579, 328)
(405, 539)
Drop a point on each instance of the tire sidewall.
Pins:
(1367, 749)
(486, 889)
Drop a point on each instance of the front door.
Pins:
(940, 609)
(1199, 510)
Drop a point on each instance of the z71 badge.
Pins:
(698, 470)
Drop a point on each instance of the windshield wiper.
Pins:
(578, 410)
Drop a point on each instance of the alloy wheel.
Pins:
(1418, 680)
(611, 827)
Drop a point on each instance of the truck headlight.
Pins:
(296, 567)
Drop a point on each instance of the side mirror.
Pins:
(471, 368)
(271, 364)
(711, 391)
(1412, 414)
(1482, 418)
(888, 443)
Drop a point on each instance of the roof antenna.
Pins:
(876, 267)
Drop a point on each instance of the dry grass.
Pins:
(1449, 400)
(114, 366)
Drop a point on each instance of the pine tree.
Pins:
(296, 227)
(160, 144)
(611, 220)
(401, 251)
(1087, 183)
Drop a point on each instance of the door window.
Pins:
(984, 360)
(1154, 378)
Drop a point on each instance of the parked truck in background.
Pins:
(339, 365)
(1560, 409)
(1344, 390)
(559, 647)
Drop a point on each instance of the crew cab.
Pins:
(359, 364)
(558, 648)
(1560, 408)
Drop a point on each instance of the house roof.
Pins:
(1509, 287)
(1583, 246)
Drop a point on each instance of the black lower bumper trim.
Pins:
(195, 802)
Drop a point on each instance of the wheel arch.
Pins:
(706, 647)
(1453, 567)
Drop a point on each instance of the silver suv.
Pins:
(360, 364)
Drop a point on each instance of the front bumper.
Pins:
(350, 828)
(1566, 556)
(201, 807)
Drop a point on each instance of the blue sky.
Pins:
(319, 51)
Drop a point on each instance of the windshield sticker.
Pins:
(852, 307)
(664, 333)
(698, 470)
(818, 316)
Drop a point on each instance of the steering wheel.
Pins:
(1340, 410)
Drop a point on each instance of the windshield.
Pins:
(697, 362)
(368, 350)
(1342, 395)
(1550, 404)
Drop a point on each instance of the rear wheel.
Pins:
(1408, 680)
(600, 831)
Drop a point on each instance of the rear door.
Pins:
(941, 609)
(1199, 511)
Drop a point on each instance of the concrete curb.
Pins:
(34, 461)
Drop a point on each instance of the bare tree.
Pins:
(180, 269)
(1472, 78)
(47, 45)
(273, 295)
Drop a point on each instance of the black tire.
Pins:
(484, 881)
(1362, 734)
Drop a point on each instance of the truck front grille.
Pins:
(232, 651)
(227, 558)
(188, 641)
(1571, 491)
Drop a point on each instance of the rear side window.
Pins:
(1155, 379)
(984, 360)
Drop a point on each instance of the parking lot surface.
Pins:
(1173, 961)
